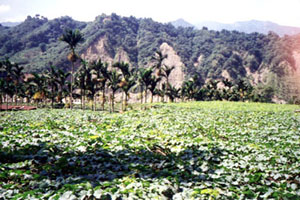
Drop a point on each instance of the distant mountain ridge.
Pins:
(10, 24)
(265, 60)
(181, 23)
(251, 26)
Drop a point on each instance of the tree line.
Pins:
(98, 79)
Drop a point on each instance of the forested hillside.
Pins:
(263, 59)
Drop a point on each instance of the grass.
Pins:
(205, 150)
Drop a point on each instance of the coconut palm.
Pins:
(72, 38)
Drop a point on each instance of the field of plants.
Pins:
(199, 150)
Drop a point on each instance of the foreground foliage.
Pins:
(181, 151)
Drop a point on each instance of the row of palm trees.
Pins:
(97, 79)
(89, 81)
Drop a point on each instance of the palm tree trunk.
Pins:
(84, 99)
(71, 92)
(6, 103)
(160, 88)
(141, 94)
(125, 102)
(112, 101)
(52, 97)
(16, 98)
(122, 102)
(146, 96)
(81, 103)
(151, 100)
(95, 100)
(103, 98)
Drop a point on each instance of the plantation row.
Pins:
(96, 78)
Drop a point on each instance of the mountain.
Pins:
(251, 26)
(10, 24)
(181, 22)
(267, 61)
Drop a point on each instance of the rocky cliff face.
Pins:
(98, 51)
(177, 75)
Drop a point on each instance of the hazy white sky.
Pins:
(285, 12)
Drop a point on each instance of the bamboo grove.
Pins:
(97, 82)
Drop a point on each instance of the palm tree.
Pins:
(28, 90)
(158, 59)
(152, 86)
(105, 77)
(114, 81)
(72, 38)
(190, 89)
(146, 76)
(227, 89)
(18, 78)
(40, 85)
(2, 82)
(128, 81)
(172, 92)
(8, 85)
(82, 78)
(166, 71)
(52, 77)
(62, 78)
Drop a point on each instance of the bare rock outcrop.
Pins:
(97, 51)
(177, 75)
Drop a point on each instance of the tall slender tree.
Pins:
(146, 76)
(72, 38)
(166, 72)
(114, 81)
(52, 77)
(82, 80)
(18, 78)
(127, 82)
(62, 82)
(158, 60)
(40, 85)
(152, 86)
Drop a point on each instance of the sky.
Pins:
(283, 12)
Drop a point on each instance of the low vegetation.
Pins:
(201, 150)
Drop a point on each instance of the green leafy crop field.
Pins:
(201, 150)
